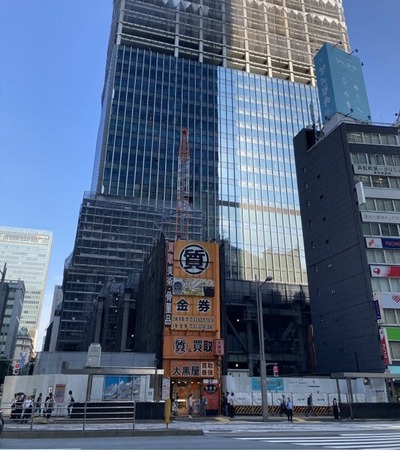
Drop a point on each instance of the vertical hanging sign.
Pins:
(169, 284)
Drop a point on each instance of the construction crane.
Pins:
(183, 198)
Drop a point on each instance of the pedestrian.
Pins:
(27, 409)
(232, 405)
(174, 407)
(282, 406)
(38, 405)
(335, 408)
(228, 406)
(19, 407)
(202, 406)
(223, 404)
(190, 401)
(49, 406)
(71, 402)
(310, 406)
(289, 410)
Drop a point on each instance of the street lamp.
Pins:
(263, 375)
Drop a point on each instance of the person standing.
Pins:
(190, 401)
(289, 410)
(227, 406)
(38, 405)
(202, 406)
(70, 405)
(310, 406)
(49, 405)
(223, 405)
(335, 408)
(282, 407)
(27, 409)
(232, 405)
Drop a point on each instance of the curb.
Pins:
(47, 434)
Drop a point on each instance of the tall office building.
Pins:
(239, 75)
(349, 192)
(11, 301)
(348, 176)
(27, 254)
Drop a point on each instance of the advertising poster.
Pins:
(121, 387)
(59, 393)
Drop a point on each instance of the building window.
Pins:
(372, 138)
(395, 350)
(391, 316)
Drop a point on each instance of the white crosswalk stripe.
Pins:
(341, 441)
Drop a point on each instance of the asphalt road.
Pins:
(237, 435)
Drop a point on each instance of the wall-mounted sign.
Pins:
(385, 271)
(378, 170)
(192, 369)
(194, 259)
(382, 242)
(380, 217)
(390, 300)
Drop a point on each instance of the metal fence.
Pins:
(82, 414)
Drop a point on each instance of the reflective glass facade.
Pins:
(242, 176)
(27, 254)
(238, 74)
(258, 199)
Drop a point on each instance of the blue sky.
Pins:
(52, 61)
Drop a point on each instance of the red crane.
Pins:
(183, 198)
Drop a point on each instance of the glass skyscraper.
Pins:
(239, 75)
(27, 254)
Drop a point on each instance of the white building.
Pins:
(27, 254)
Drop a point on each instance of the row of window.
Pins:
(379, 181)
(373, 138)
(381, 229)
(382, 205)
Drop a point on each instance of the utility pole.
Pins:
(263, 364)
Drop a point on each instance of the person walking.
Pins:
(38, 404)
(310, 406)
(190, 401)
(71, 402)
(223, 404)
(282, 406)
(335, 408)
(289, 410)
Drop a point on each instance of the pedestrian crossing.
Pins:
(345, 441)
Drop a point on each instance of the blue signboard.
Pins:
(390, 243)
(273, 384)
(341, 86)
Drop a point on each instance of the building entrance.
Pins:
(182, 388)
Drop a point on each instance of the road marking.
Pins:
(340, 441)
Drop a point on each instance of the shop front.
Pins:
(192, 347)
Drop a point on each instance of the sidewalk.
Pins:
(63, 427)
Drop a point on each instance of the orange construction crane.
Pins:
(183, 198)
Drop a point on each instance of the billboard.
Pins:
(385, 271)
(390, 300)
(192, 310)
(341, 86)
(382, 242)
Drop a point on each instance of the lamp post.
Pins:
(263, 374)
